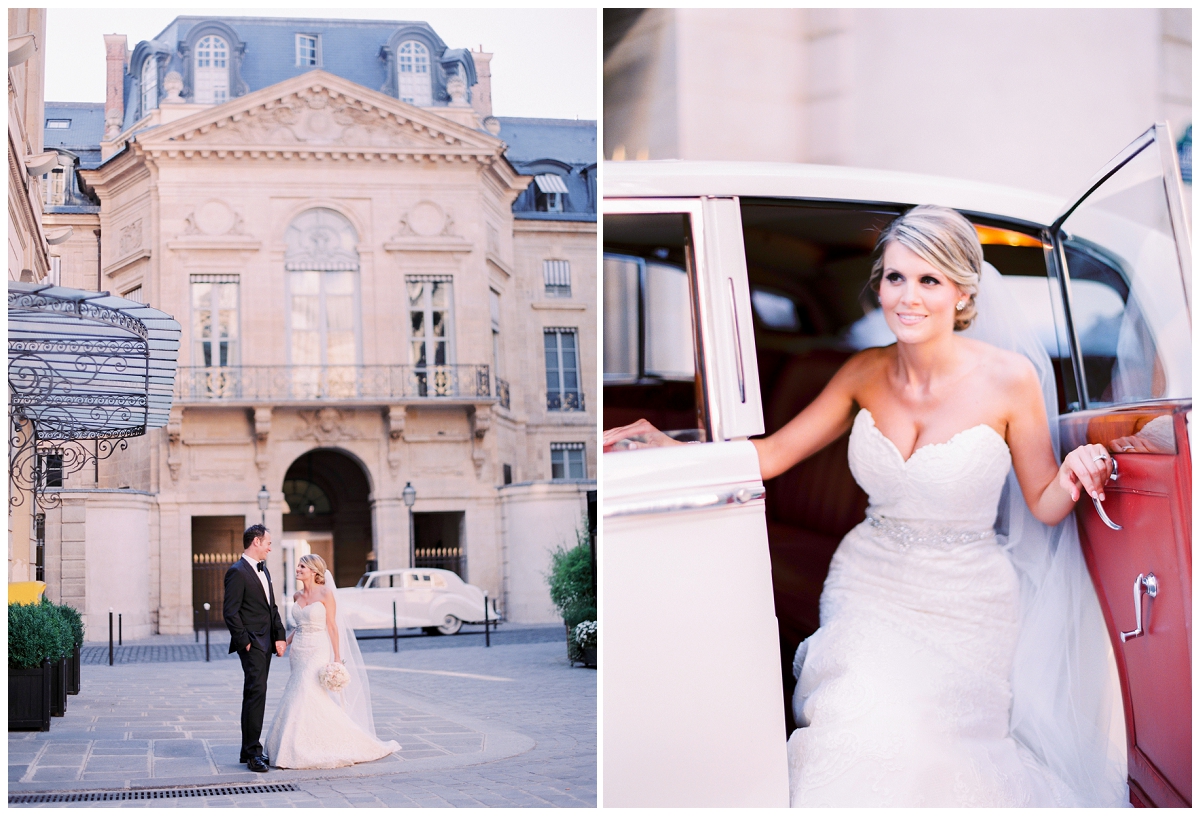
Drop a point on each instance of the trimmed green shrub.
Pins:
(570, 580)
(75, 620)
(37, 632)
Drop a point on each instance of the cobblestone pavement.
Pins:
(513, 725)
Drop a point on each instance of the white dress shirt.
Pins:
(262, 576)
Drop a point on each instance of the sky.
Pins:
(546, 61)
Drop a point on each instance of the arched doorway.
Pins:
(327, 494)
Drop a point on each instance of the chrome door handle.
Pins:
(1148, 584)
(701, 501)
(1100, 508)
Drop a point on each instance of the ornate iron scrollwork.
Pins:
(33, 462)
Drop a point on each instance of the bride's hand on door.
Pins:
(640, 434)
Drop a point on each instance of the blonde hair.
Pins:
(945, 240)
(317, 564)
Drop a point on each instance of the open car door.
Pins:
(693, 705)
(1123, 252)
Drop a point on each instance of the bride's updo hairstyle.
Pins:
(317, 564)
(946, 241)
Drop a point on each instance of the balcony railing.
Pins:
(502, 392)
(564, 401)
(368, 383)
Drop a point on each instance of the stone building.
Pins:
(1033, 98)
(380, 284)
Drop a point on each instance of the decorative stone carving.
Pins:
(213, 218)
(481, 421)
(131, 238)
(426, 219)
(173, 85)
(319, 118)
(324, 426)
(174, 441)
(394, 416)
(321, 238)
(262, 431)
(456, 88)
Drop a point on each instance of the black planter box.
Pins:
(73, 672)
(59, 672)
(29, 698)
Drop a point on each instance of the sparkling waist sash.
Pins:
(933, 535)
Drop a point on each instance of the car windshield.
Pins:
(362, 582)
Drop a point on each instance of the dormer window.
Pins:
(416, 87)
(149, 85)
(550, 192)
(308, 50)
(212, 71)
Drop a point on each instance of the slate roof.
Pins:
(568, 140)
(84, 134)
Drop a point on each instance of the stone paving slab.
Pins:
(508, 726)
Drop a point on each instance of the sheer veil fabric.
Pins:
(1066, 695)
(355, 699)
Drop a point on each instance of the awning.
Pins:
(88, 365)
(550, 183)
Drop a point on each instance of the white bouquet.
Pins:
(585, 635)
(334, 676)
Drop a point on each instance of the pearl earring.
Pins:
(962, 304)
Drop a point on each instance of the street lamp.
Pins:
(410, 498)
(264, 499)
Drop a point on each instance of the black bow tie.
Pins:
(262, 566)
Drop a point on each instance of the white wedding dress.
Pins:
(904, 694)
(311, 728)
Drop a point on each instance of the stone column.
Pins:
(481, 94)
(389, 526)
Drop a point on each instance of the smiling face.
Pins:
(303, 573)
(918, 300)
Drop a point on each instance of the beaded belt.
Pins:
(940, 537)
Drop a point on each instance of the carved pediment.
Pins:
(321, 111)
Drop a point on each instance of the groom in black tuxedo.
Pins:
(254, 626)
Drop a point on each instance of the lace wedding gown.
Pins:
(311, 729)
(903, 694)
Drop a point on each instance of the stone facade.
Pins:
(361, 310)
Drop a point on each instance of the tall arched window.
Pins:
(212, 71)
(322, 270)
(415, 80)
(149, 84)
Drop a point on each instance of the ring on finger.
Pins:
(1102, 457)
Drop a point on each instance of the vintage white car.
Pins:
(732, 293)
(435, 600)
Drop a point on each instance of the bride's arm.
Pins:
(1050, 490)
(821, 422)
(331, 624)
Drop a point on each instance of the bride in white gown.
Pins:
(314, 727)
(946, 670)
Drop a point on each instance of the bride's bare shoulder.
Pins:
(1006, 372)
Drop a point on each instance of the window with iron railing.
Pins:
(562, 369)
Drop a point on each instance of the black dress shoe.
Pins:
(257, 764)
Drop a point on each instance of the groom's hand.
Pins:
(247, 647)
(280, 645)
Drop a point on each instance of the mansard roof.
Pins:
(568, 140)
(83, 131)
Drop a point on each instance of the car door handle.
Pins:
(699, 501)
(1100, 507)
(1149, 585)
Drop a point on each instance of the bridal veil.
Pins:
(1066, 695)
(355, 698)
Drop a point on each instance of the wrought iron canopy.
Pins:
(88, 365)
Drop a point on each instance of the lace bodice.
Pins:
(309, 619)
(956, 482)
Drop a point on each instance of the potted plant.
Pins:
(37, 637)
(60, 667)
(75, 621)
(586, 636)
(572, 589)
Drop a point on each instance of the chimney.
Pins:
(114, 96)
(481, 96)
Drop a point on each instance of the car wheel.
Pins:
(450, 625)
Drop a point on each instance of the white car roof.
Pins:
(675, 178)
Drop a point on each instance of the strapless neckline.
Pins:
(935, 445)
